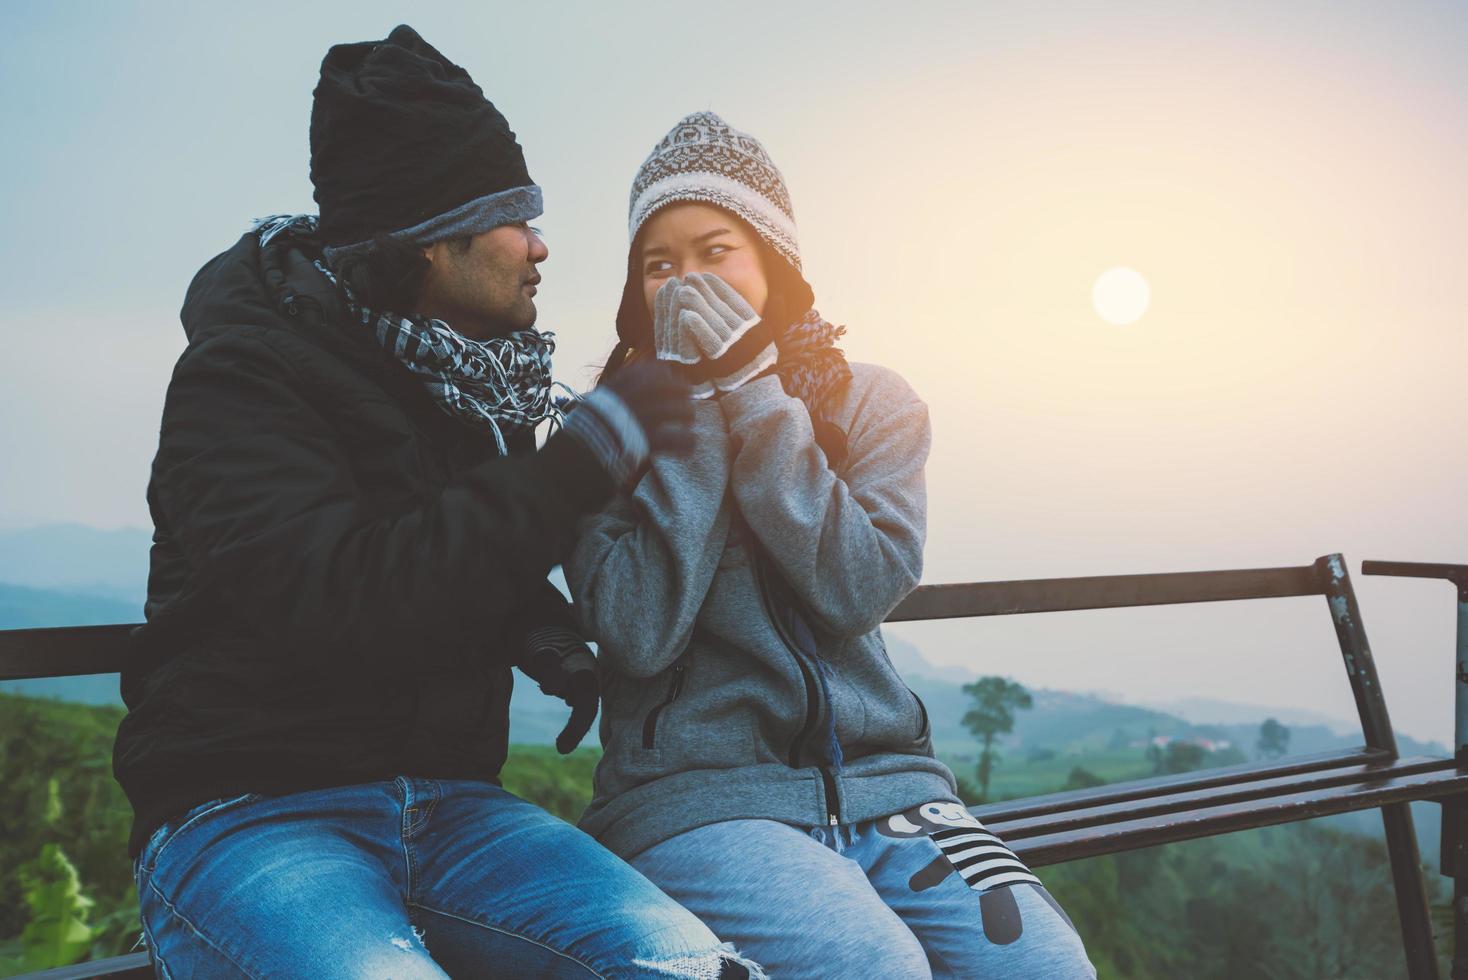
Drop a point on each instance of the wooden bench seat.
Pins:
(1188, 813)
(1150, 786)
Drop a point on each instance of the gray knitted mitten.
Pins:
(699, 319)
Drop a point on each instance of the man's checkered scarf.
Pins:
(501, 385)
(812, 368)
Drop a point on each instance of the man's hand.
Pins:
(563, 665)
(657, 396)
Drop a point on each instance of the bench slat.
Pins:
(1168, 828)
(1259, 789)
(1150, 786)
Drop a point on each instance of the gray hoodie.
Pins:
(713, 707)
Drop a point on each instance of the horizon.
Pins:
(1286, 179)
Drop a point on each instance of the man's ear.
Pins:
(430, 252)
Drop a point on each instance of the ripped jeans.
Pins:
(928, 893)
(411, 878)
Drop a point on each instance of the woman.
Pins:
(763, 762)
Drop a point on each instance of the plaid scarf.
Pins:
(501, 385)
(812, 368)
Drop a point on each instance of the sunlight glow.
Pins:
(1121, 296)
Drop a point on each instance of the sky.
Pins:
(1286, 177)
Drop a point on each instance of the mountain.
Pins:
(910, 662)
(1213, 711)
(25, 607)
(78, 559)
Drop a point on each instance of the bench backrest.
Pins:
(1326, 577)
(70, 651)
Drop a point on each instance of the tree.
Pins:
(1182, 756)
(995, 700)
(1274, 739)
(1082, 778)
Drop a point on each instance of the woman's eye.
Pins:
(656, 268)
(718, 250)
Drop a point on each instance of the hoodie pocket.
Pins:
(899, 716)
(650, 722)
(925, 726)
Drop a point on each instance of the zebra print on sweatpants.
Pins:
(982, 859)
(967, 846)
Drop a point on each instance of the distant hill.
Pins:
(24, 607)
(78, 559)
(910, 662)
(1215, 712)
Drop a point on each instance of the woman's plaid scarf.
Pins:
(501, 385)
(812, 368)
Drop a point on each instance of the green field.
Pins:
(1017, 776)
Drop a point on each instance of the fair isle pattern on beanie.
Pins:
(705, 159)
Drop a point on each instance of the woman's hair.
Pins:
(389, 274)
(790, 296)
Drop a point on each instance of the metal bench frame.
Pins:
(1120, 816)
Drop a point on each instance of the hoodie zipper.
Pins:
(650, 725)
(812, 695)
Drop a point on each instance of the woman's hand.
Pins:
(704, 324)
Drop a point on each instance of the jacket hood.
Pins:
(266, 276)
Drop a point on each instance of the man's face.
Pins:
(487, 289)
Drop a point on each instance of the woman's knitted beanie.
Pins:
(704, 159)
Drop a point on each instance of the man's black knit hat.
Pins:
(403, 142)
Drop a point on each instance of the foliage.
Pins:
(56, 770)
(994, 701)
(1182, 755)
(1082, 778)
(1279, 903)
(57, 933)
(559, 783)
(1178, 757)
(1274, 739)
(67, 876)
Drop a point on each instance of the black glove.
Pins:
(562, 664)
(658, 397)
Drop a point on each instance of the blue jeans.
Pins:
(406, 879)
(923, 894)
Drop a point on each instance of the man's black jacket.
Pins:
(341, 572)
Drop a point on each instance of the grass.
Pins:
(1016, 776)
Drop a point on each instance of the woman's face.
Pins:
(692, 237)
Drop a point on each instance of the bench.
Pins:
(1121, 816)
(1126, 816)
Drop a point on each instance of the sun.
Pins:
(1121, 296)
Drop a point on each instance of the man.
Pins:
(353, 534)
